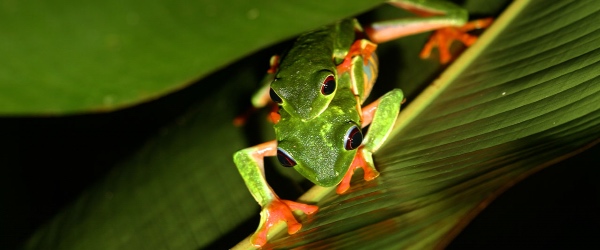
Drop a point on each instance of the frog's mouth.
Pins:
(325, 177)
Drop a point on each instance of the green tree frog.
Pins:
(320, 86)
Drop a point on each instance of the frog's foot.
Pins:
(363, 159)
(443, 38)
(274, 115)
(363, 48)
(276, 211)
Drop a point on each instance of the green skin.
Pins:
(298, 73)
(318, 145)
(315, 54)
(313, 127)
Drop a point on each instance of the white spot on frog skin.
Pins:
(503, 93)
(253, 14)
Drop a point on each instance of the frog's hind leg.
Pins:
(433, 15)
(381, 114)
(447, 19)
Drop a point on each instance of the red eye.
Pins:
(353, 138)
(328, 86)
(284, 158)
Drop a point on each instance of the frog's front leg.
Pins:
(262, 97)
(250, 164)
(381, 114)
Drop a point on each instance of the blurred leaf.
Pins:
(65, 56)
(180, 191)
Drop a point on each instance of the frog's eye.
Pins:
(274, 96)
(328, 85)
(285, 159)
(353, 138)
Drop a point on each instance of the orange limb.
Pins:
(265, 149)
(365, 49)
(359, 162)
(368, 112)
(274, 116)
(388, 33)
(276, 211)
(443, 38)
(359, 47)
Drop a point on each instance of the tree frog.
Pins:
(320, 86)
(307, 90)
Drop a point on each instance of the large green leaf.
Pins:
(523, 98)
(78, 56)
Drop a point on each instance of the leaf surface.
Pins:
(70, 57)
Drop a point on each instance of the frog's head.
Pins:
(323, 157)
(304, 94)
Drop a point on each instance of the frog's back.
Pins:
(308, 64)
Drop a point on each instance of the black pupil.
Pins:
(328, 85)
(285, 159)
(274, 96)
(354, 139)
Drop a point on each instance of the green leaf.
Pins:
(524, 97)
(180, 191)
(70, 56)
